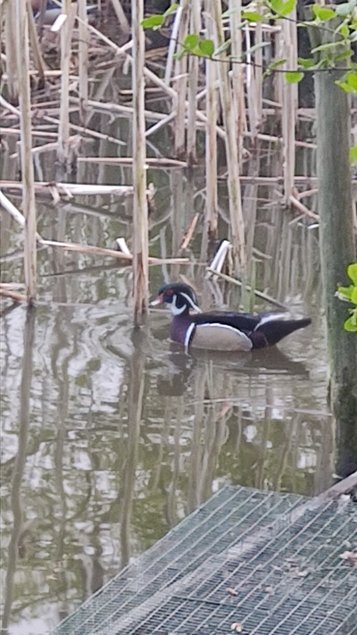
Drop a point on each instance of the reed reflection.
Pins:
(17, 502)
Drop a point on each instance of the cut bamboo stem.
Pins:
(140, 211)
(28, 192)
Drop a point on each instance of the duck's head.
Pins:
(180, 297)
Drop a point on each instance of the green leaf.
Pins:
(348, 82)
(353, 156)
(323, 13)
(206, 47)
(191, 41)
(256, 47)
(293, 77)
(351, 323)
(343, 30)
(346, 8)
(180, 54)
(344, 293)
(328, 46)
(153, 22)
(252, 16)
(352, 272)
(354, 296)
(306, 62)
(172, 9)
(343, 56)
(223, 47)
(282, 7)
(276, 64)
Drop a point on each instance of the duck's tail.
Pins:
(275, 330)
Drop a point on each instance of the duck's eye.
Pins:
(169, 292)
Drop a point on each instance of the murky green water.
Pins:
(111, 436)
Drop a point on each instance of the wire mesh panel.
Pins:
(259, 563)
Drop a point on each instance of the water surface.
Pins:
(110, 436)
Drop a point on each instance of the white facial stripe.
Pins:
(271, 318)
(191, 302)
(175, 310)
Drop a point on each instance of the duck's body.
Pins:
(222, 331)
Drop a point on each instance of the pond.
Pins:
(110, 435)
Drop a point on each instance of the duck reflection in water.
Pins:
(178, 372)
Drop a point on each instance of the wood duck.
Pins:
(222, 331)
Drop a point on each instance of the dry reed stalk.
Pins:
(189, 233)
(211, 215)
(235, 20)
(192, 86)
(35, 133)
(140, 211)
(181, 84)
(254, 82)
(103, 251)
(259, 294)
(159, 162)
(289, 104)
(120, 109)
(120, 13)
(68, 11)
(13, 295)
(302, 208)
(5, 104)
(152, 129)
(28, 192)
(86, 131)
(235, 205)
(35, 45)
(11, 52)
(172, 45)
(76, 189)
(250, 202)
(83, 47)
(14, 212)
(171, 92)
(307, 193)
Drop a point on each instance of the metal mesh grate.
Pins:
(267, 561)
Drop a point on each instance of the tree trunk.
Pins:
(337, 250)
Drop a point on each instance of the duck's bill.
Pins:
(157, 301)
